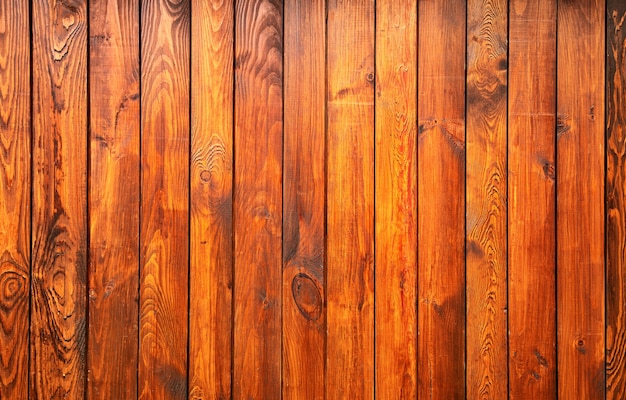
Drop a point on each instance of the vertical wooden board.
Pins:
(396, 200)
(164, 216)
(350, 200)
(580, 211)
(258, 198)
(441, 199)
(15, 160)
(531, 178)
(486, 196)
(113, 198)
(304, 327)
(616, 200)
(59, 215)
(210, 292)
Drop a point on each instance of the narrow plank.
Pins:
(59, 206)
(531, 177)
(258, 198)
(396, 199)
(163, 317)
(486, 188)
(580, 200)
(350, 200)
(15, 182)
(441, 199)
(211, 269)
(113, 199)
(304, 316)
(616, 201)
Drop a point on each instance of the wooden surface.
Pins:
(441, 199)
(616, 201)
(580, 199)
(396, 197)
(532, 177)
(15, 206)
(262, 199)
(164, 189)
(211, 253)
(303, 315)
(486, 197)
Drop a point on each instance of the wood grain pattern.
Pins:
(258, 198)
(15, 158)
(580, 200)
(113, 198)
(532, 197)
(486, 197)
(396, 199)
(211, 269)
(441, 199)
(303, 315)
(59, 218)
(165, 26)
(616, 201)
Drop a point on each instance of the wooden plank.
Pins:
(258, 198)
(350, 200)
(441, 199)
(113, 199)
(396, 199)
(164, 199)
(15, 158)
(59, 206)
(532, 246)
(486, 197)
(304, 316)
(616, 201)
(211, 269)
(580, 210)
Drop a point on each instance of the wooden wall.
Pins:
(310, 199)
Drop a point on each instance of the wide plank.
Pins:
(163, 317)
(396, 199)
(59, 200)
(303, 315)
(113, 199)
(15, 161)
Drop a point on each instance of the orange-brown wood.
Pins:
(303, 315)
(258, 198)
(396, 200)
(486, 212)
(211, 257)
(441, 199)
(531, 177)
(113, 199)
(616, 201)
(350, 200)
(580, 199)
(59, 206)
(15, 184)
(164, 199)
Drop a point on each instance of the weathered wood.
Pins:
(210, 291)
(350, 200)
(616, 200)
(580, 201)
(396, 199)
(258, 198)
(165, 58)
(113, 199)
(303, 315)
(15, 184)
(59, 206)
(441, 199)
(531, 177)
